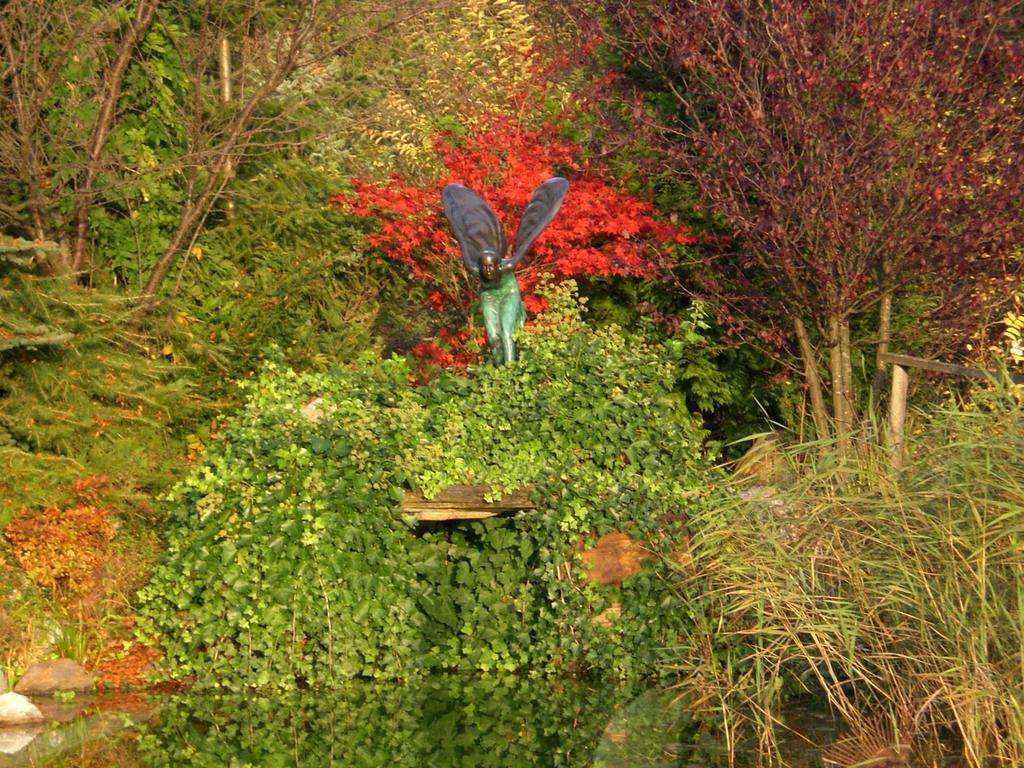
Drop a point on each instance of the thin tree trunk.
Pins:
(818, 410)
(189, 219)
(846, 359)
(144, 15)
(840, 404)
(884, 331)
(834, 367)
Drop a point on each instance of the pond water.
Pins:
(446, 722)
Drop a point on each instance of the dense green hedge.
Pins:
(290, 559)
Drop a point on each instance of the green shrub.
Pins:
(285, 271)
(94, 397)
(290, 558)
(93, 420)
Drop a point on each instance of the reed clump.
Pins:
(895, 593)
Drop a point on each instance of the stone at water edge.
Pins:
(16, 709)
(46, 677)
(15, 738)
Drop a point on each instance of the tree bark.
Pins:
(838, 362)
(819, 412)
(144, 16)
(846, 359)
(884, 331)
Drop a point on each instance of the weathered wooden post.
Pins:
(900, 379)
(225, 96)
(465, 502)
(898, 412)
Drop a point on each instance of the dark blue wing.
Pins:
(538, 214)
(475, 226)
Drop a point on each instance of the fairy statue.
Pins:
(483, 246)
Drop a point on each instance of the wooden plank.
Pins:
(908, 361)
(444, 515)
(465, 502)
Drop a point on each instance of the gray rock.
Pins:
(15, 738)
(45, 677)
(15, 709)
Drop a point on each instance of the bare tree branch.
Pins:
(101, 128)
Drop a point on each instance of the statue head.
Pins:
(490, 267)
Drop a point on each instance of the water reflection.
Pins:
(451, 721)
(446, 722)
(653, 731)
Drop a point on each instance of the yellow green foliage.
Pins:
(1013, 334)
(471, 59)
(440, 70)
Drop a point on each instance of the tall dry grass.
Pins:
(897, 594)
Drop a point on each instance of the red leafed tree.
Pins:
(600, 231)
(858, 150)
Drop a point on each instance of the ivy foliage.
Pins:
(290, 558)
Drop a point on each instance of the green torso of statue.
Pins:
(483, 246)
(504, 314)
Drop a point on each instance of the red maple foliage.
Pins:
(601, 230)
